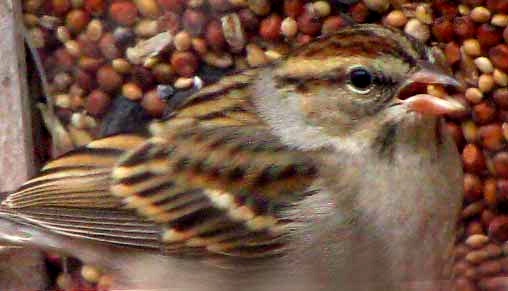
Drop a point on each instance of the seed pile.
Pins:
(96, 51)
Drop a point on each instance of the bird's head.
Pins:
(359, 80)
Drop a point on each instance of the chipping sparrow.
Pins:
(325, 171)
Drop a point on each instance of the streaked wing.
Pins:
(218, 188)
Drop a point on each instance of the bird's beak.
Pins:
(427, 104)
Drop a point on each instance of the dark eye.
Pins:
(360, 80)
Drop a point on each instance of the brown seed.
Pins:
(472, 47)
(499, 56)
(220, 5)
(90, 64)
(476, 257)
(491, 137)
(470, 131)
(182, 41)
(199, 45)
(500, 97)
(108, 48)
(502, 190)
(153, 103)
(464, 284)
(172, 5)
(489, 192)
(505, 34)
(132, 91)
(194, 21)
(489, 268)
(480, 14)
(474, 228)
(486, 83)
(473, 159)
(464, 27)
(248, 19)
(108, 79)
(472, 187)
(97, 103)
(442, 29)
(452, 52)
(148, 8)
(125, 13)
(498, 228)
(184, 63)
(164, 73)
(456, 132)
(488, 35)
(484, 112)
(473, 209)
(260, 7)
(77, 20)
(143, 77)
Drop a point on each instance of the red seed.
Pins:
(484, 112)
(442, 29)
(360, 12)
(153, 103)
(498, 228)
(143, 77)
(60, 7)
(95, 7)
(491, 137)
(500, 97)
(293, 8)
(500, 161)
(108, 79)
(77, 20)
(332, 24)
(125, 13)
(63, 59)
(474, 227)
(107, 46)
(97, 103)
(488, 35)
(456, 132)
(445, 8)
(270, 27)
(309, 24)
(472, 187)
(473, 159)
(184, 63)
(500, 6)
(464, 27)
(84, 80)
(499, 56)
(214, 35)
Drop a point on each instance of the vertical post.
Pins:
(20, 268)
(16, 145)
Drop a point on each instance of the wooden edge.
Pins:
(16, 144)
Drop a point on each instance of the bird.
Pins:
(329, 169)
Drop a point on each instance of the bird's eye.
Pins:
(360, 80)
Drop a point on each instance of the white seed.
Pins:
(146, 28)
(464, 9)
(183, 83)
(486, 83)
(423, 12)
(78, 120)
(477, 240)
(474, 95)
(500, 20)
(480, 14)
(233, 31)
(484, 65)
(500, 77)
(472, 47)
(182, 41)
(63, 100)
(90, 121)
(273, 55)
(322, 8)
(218, 60)
(195, 3)
(256, 56)
(94, 30)
(63, 34)
(73, 48)
(91, 274)
(289, 27)
(377, 5)
(417, 29)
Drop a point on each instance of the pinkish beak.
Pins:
(427, 104)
